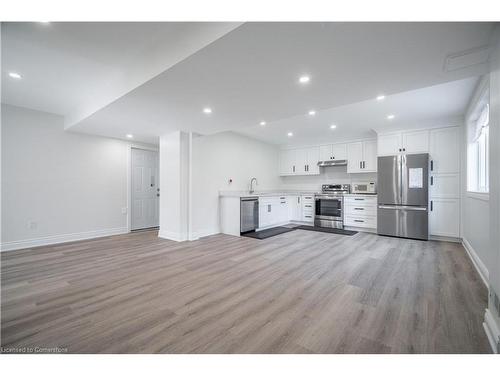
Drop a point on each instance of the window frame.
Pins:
(477, 149)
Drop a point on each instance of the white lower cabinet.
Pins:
(294, 207)
(360, 211)
(444, 217)
(278, 210)
(265, 212)
(307, 208)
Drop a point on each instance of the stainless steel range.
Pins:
(330, 206)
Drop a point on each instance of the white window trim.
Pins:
(478, 195)
(481, 98)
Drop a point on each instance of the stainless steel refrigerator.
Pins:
(403, 196)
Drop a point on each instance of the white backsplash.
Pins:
(328, 175)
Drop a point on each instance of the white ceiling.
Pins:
(440, 105)
(245, 75)
(73, 69)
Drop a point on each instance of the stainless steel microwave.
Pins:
(363, 188)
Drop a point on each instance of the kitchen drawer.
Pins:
(308, 217)
(307, 199)
(363, 210)
(308, 206)
(361, 221)
(360, 201)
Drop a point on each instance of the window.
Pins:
(478, 149)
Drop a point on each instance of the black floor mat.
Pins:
(328, 230)
(266, 233)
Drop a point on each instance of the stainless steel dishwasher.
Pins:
(249, 214)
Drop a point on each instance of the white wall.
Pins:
(494, 264)
(218, 158)
(67, 185)
(475, 211)
(327, 175)
(174, 169)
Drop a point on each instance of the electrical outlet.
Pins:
(124, 210)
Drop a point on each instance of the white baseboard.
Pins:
(61, 238)
(480, 267)
(173, 236)
(444, 238)
(203, 233)
(492, 331)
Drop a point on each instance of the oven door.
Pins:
(328, 208)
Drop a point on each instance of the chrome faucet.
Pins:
(251, 184)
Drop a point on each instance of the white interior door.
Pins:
(145, 189)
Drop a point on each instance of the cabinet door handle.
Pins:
(358, 199)
(432, 165)
(404, 149)
(294, 169)
(268, 208)
(432, 180)
(360, 167)
(359, 208)
(359, 221)
(363, 165)
(399, 150)
(432, 206)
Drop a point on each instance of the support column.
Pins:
(174, 186)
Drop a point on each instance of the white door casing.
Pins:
(144, 189)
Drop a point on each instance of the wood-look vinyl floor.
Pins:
(299, 292)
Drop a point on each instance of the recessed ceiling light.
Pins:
(304, 79)
(380, 97)
(333, 126)
(207, 110)
(262, 123)
(15, 75)
(390, 117)
(290, 134)
(129, 136)
(312, 112)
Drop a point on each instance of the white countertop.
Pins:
(264, 193)
(275, 193)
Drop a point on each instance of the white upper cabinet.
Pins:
(389, 144)
(362, 157)
(445, 150)
(354, 157)
(333, 152)
(287, 162)
(415, 142)
(300, 161)
(410, 142)
(312, 160)
(325, 152)
(370, 156)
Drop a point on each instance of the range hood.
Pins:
(331, 163)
